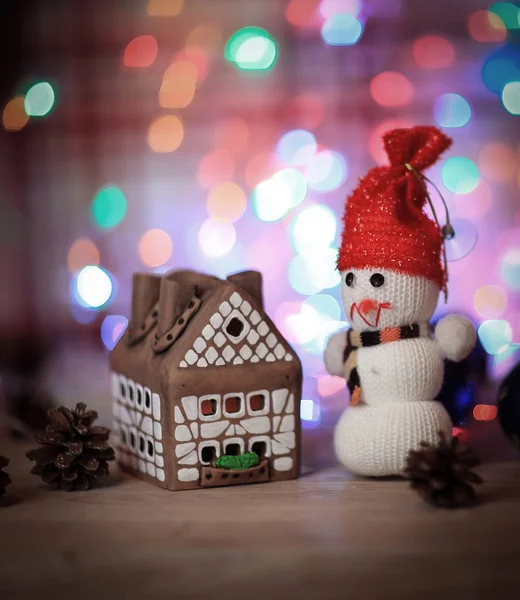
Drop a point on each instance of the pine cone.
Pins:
(442, 474)
(5, 480)
(75, 453)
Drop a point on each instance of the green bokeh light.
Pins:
(39, 100)
(251, 49)
(460, 175)
(508, 13)
(108, 207)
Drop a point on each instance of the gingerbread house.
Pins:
(201, 372)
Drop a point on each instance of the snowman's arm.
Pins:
(333, 356)
(456, 337)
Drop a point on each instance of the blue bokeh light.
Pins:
(452, 110)
(297, 147)
(342, 30)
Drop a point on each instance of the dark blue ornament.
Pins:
(509, 405)
(458, 392)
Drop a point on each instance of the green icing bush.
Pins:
(239, 463)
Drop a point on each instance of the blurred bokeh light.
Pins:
(220, 137)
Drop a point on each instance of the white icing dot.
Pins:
(236, 299)
(216, 320)
(253, 337)
(246, 352)
(263, 328)
(191, 357)
(261, 350)
(211, 355)
(199, 344)
(246, 307)
(255, 317)
(208, 332)
(220, 339)
(225, 308)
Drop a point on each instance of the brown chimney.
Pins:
(173, 301)
(145, 293)
(251, 281)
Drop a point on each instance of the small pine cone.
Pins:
(5, 480)
(442, 474)
(74, 454)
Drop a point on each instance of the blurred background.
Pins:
(222, 135)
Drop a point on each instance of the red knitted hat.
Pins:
(384, 225)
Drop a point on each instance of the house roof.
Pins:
(207, 320)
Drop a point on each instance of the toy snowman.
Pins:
(392, 273)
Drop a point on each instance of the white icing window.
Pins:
(142, 445)
(234, 446)
(209, 452)
(210, 407)
(132, 438)
(124, 436)
(123, 389)
(261, 444)
(139, 398)
(236, 326)
(258, 403)
(147, 401)
(150, 450)
(131, 393)
(234, 405)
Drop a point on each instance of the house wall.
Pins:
(277, 423)
(139, 435)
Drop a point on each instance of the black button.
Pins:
(377, 280)
(349, 279)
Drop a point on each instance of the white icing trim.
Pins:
(279, 398)
(265, 410)
(182, 433)
(189, 404)
(160, 474)
(256, 424)
(236, 314)
(235, 440)
(199, 344)
(123, 389)
(287, 423)
(213, 444)
(218, 411)
(236, 299)
(214, 429)
(242, 410)
(208, 332)
(131, 393)
(216, 320)
(260, 438)
(179, 417)
(147, 395)
(183, 449)
(283, 464)
(157, 430)
(190, 459)
(139, 393)
(133, 434)
(142, 466)
(188, 474)
(147, 425)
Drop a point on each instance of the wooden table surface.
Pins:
(327, 535)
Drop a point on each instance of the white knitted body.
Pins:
(399, 380)
(375, 441)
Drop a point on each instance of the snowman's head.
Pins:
(377, 299)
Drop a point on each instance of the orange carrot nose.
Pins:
(367, 306)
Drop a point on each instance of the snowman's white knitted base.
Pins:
(375, 441)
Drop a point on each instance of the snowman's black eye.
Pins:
(349, 279)
(377, 280)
